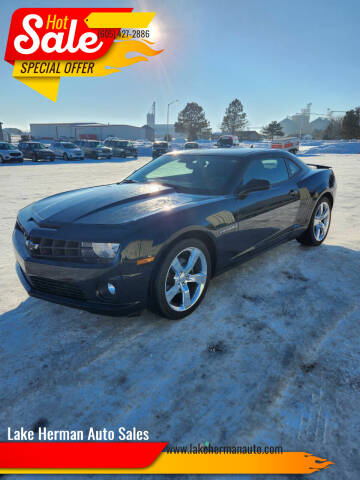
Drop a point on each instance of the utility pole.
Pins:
(167, 118)
(1, 132)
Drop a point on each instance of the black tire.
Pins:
(159, 302)
(308, 237)
(66, 157)
(1, 159)
(34, 158)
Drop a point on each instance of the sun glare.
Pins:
(155, 32)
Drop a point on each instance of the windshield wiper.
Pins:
(128, 180)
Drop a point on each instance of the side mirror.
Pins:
(254, 185)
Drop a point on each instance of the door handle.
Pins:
(292, 193)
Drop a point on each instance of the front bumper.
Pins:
(9, 159)
(81, 286)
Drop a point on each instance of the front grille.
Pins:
(54, 287)
(57, 249)
(15, 154)
(60, 250)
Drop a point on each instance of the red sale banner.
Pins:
(45, 44)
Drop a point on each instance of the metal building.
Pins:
(96, 131)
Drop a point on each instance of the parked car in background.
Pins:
(227, 141)
(291, 144)
(9, 153)
(36, 151)
(68, 151)
(159, 148)
(94, 149)
(121, 148)
(191, 145)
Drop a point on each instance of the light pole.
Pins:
(167, 119)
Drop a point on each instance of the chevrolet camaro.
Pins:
(156, 238)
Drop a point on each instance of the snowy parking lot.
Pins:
(271, 356)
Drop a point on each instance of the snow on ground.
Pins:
(287, 323)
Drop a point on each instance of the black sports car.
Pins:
(156, 238)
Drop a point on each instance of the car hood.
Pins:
(107, 205)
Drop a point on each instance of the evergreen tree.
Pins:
(234, 120)
(273, 130)
(334, 129)
(351, 124)
(192, 121)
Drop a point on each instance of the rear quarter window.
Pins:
(293, 168)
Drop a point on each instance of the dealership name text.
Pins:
(93, 434)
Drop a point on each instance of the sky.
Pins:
(274, 55)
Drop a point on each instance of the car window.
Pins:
(271, 169)
(208, 174)
(293, 168)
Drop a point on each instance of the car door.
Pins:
(57, 149)
(265, 216)
(25, 150)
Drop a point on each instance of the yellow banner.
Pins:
(119, 19)
(44, 76)
(219, 463)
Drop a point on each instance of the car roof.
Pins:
(231, 152)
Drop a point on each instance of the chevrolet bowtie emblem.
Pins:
(31, 245)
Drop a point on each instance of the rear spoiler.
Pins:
(318, 166)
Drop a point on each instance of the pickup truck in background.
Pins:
(291, 144)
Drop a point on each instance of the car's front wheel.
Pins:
(319, 224)
(182, 279)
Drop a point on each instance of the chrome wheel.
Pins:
(186, 279)
(321, 221)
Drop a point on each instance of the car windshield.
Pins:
(160, 145)
(204, 174)
(40, 146)
(69, 145)
(7, 146)
(225, 141)
(122, 144)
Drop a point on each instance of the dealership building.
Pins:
(96, 131)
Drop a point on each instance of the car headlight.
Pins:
(102, 250)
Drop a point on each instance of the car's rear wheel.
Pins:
(319, 224)
(182, 279)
